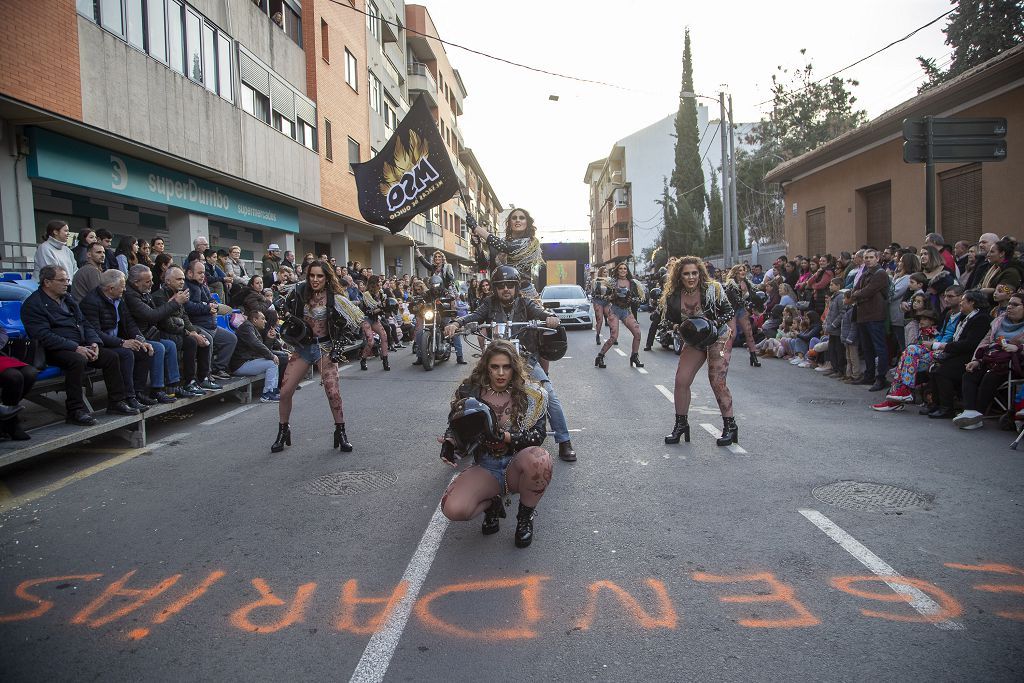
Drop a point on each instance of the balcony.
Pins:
(621, 216)
(458, 134)
(422, 81)
(429, 234)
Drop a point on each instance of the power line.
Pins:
(864, 59)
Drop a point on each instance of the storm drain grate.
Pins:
(869, 497)
(345, 483)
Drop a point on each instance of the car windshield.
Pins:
(563, 292)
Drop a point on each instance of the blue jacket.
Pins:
(56, 329)
(198, 306)
(102, 315)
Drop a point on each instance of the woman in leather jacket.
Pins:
(691, 293)
(509, 457)
(599, 294)
(373, 303)
(624, 294)
(319, 318)
(520, 248)
(740, 291)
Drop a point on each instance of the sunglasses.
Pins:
(505, 285)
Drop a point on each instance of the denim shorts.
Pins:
(497, 467)
(310, 354)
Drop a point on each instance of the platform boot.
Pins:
(754, 361)
(387, 364)
(730, 432)
(341, 438)
(492, 515)
(682, 428)
(635, 360)
(284, 438)
(599, 361)
(524, 526)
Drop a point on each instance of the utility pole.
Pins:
(734, 212)
(726, 191)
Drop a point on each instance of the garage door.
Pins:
(961, 203)
(816, 232)
(879, 209)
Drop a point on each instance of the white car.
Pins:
(569, 304)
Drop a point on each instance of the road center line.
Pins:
(378, 653)
(620, 352)
(18, 501)
(641, 371)
(917, 599)
(665, 392)
(228, 415)
(715, 432)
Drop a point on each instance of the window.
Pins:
(284, 125)
(328, 143)
(193, 48)
(307, 135)
(111, 17)
(224, 66)
(175, 43)
(376, 103)
(209, 58)
(353, 153)
(133, 18)
(961, 202)
(325, 41)
(156, 29)
(373, 20)
(86, 8)
(390, 116)
(351, 70)
(255, 103)
(285, 14)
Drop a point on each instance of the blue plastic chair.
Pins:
(222, 321)
(10, 277)
(215, 296)
(10, 318)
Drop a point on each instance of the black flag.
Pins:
(411, 174)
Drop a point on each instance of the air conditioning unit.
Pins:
(620, 198)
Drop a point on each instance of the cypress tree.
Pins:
(688, 176)
(714, 240)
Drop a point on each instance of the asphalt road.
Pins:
(208, 558)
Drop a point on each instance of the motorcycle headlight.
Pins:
(428, 315)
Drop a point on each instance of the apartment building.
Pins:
(234, 119)
(611, 215)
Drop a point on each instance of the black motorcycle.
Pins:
(437, 309)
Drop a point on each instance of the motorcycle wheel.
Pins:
(427, 350)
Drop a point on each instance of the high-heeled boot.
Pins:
(387, 365)
(635, 360)
(362, 363)
(492, 515)
(730, 432)
(682, 428)
(597, 336)
(754, 362)
(524, 526)
(284, 438)
(341, 438)
(599, 361)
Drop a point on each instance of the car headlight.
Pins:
(428, 315)
(583, 307)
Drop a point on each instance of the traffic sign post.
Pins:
(931, 140)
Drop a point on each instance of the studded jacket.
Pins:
(714, 302)
(528, 430)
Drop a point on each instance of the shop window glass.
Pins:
(157, 29)
(209, 58)
(136, 31)
(224, 65)
(193, 48)
(175, 37)
(111, 17)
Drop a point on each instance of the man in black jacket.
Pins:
(54, 319)
(947, 371)
(166, 374)
(105, 310)
(168, 314)
(202, 310)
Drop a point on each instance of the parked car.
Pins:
(569, 304)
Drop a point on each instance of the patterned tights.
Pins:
(690, 361)
(613, 325)
(294, 373)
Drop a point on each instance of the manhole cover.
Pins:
(865, 496)
(344, 483)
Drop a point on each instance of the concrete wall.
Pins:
(130, 94)
(836, 189)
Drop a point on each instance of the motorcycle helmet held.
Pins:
(470, 421)
(505, 274)
(295, 331)
(663, 271)
(698, 332)
(553, 345)
(391, 306)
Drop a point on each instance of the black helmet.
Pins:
(552, 345)
(435, 283)
(663, 271)
(505, 274)
(469, 421)
(391, 306)
(698, 332)
(295, 331)
(655, 293)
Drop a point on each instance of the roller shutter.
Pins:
(961, 204)
(816, 231)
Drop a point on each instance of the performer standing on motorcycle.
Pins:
(373, 304)
(520, 248)
(507, 305)
(497, 416)
(701, 308)
(319, 319)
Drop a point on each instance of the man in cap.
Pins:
(271, 263)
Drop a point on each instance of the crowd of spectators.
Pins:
(933, 325)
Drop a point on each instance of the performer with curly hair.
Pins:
(497, 417)
(624, 294)
(520, 248)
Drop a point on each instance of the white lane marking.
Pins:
(347, 366)
(17, 502)
(306, 383)
(620, 352)
(378, 653)
(715, 432)
(665, 392)
(641, 371)
(917, 599)
(228, 415)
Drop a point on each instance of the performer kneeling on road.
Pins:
(506, 305)
(701, 309)
(497, 416)
(319, 321)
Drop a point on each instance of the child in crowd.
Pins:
(917, 357)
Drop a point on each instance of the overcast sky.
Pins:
(535, 151)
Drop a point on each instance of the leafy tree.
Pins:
(714, 240)
(688, 174)
(977, 30)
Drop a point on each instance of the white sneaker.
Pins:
(796, 361)
(804, 364)
(976, 425)
(823, 368)
(968, 417)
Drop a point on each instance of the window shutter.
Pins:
(816, 231)
(961, 203)
(282, 99)
(254, 75)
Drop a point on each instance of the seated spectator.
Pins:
(939, 278)
(994, 359)
(916, 358)
(809, 335)
(199, 247)
(86, 238)
(233, 265)
(252, 357)
(786, 295)
(126, 253)
(107, 312)
(1003, 268)
(88, 276)
(271, 337)
(54, 319)
(919, 303)
(202, 310)
(144, 255)
(949, 365)
(16, 380)
(168, 302)
(104, 237)
(1000, 298)
(160, 265)
(164, 377)
(54, 251)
